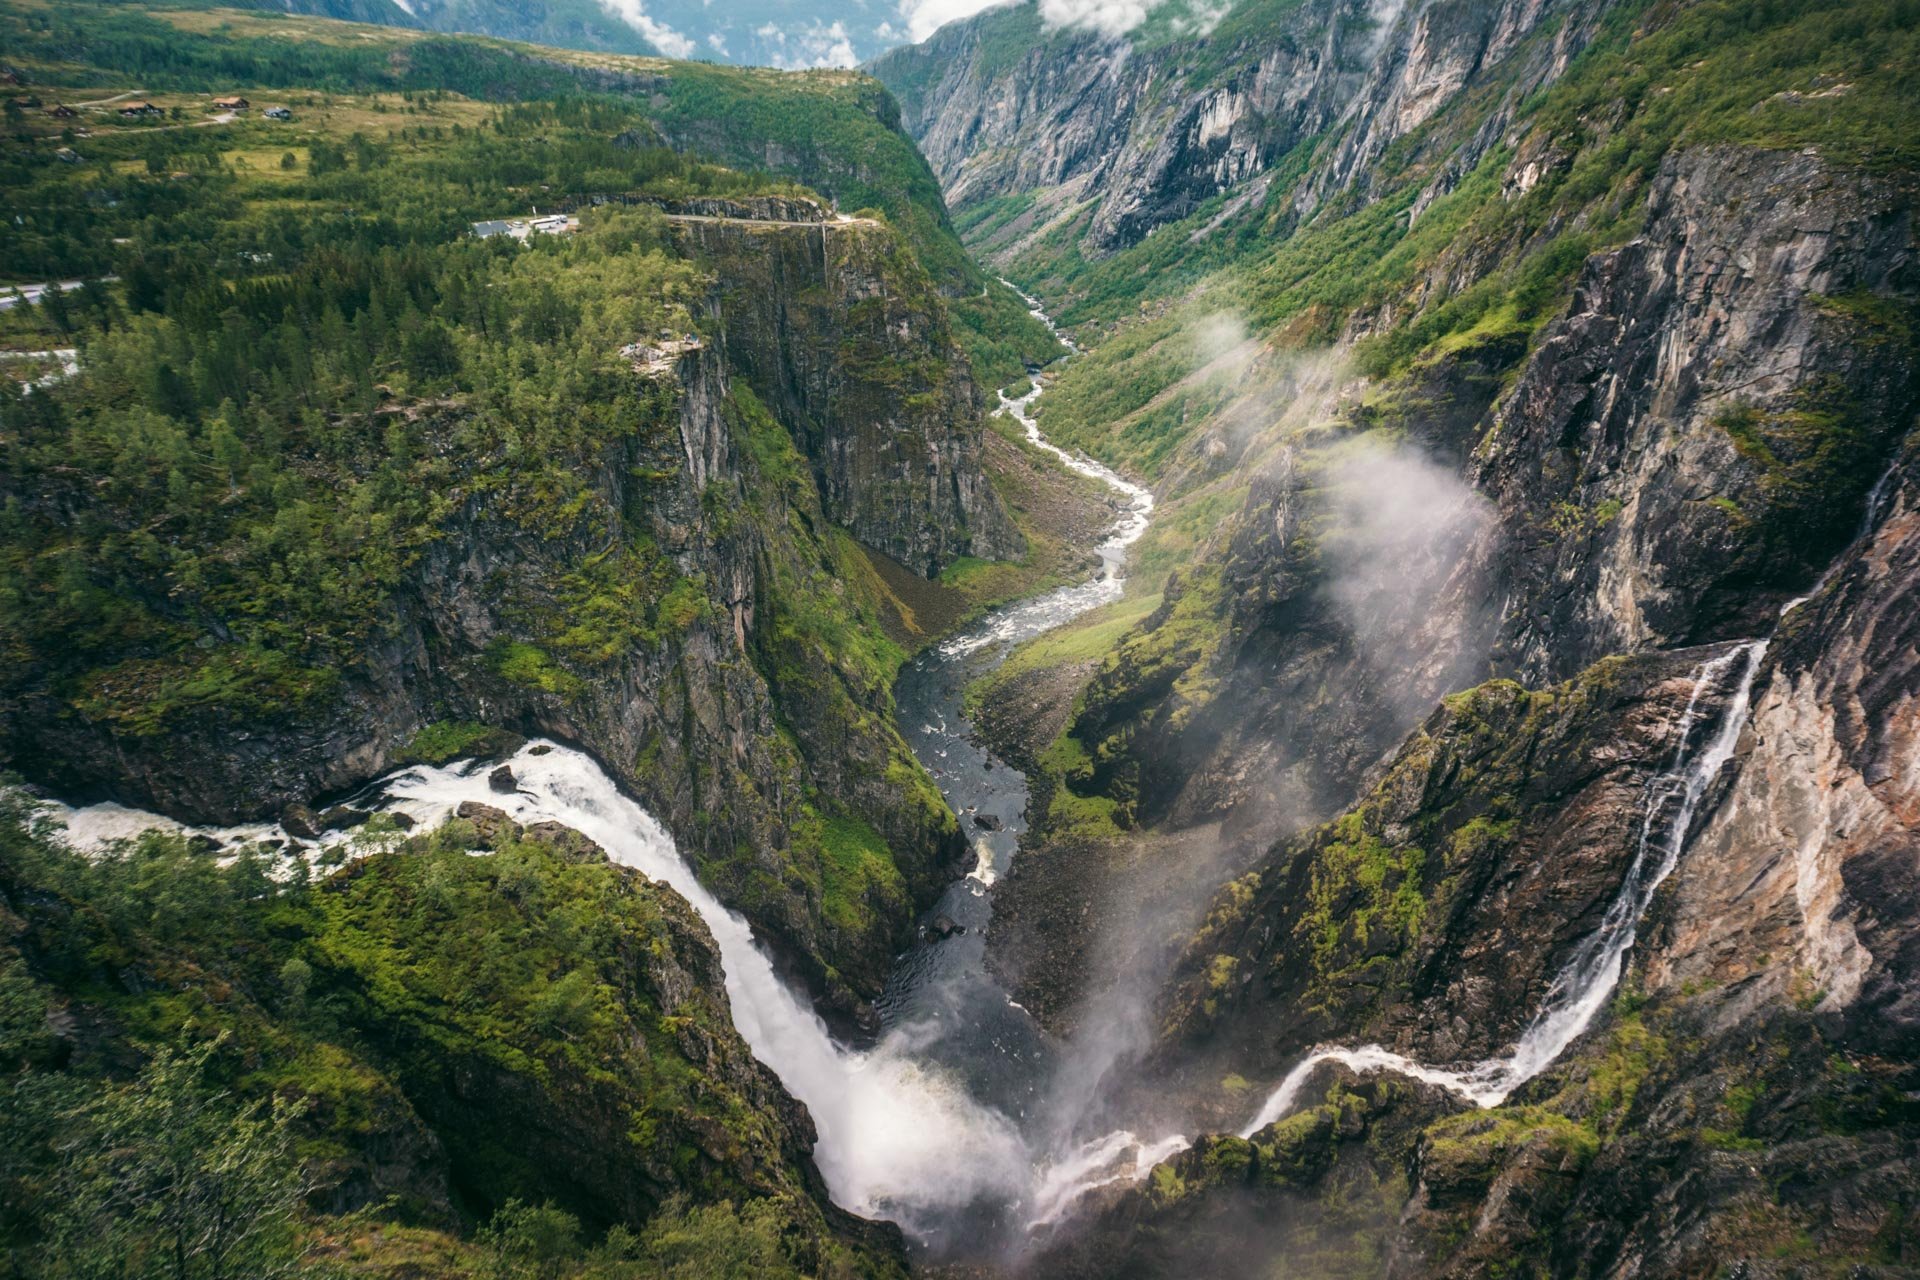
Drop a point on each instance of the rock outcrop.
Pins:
(1146, 132)
(841, 336)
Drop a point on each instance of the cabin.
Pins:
(493, 227)
(277, 113)
(138, 110)
(67, 155)
(230, 104)
(61, 111)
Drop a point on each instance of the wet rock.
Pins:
(987, 822)
(491, 824)
(300, 822)
(401, 820)
(541, 750)
(342, 818)
(502, 780)
(945, 926)
(203, 844)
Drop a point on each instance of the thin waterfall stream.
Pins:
(1587, 980)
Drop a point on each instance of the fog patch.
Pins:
(1399, 531)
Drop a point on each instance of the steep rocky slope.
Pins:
(1560, 344)
(825, 319)
(729, 715)
(1112, 136)
(1673, 457)
(460, 1032)
(1741, 1105)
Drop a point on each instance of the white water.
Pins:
(1045, 612)
(899, 1138)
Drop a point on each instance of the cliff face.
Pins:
(1434, 915)
(825, 319)
(707, 541)
(1729, 386)
(1134, 134)
(1679, 452)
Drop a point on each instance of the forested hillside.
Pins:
(306, 479)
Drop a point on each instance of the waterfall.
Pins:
(897, 1139)
(1585, 983)
(1587, 980)
(900, 1137)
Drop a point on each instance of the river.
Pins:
(943, 1125)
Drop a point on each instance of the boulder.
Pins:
(300, 822)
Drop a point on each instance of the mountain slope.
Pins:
(328, 486)
(1464, 341)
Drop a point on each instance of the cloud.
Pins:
(924, 17)
(1109, 17)
(1401, 534)
(658, 34)
(718, 41)
(818, 45)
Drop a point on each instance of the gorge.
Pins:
(1271, 638)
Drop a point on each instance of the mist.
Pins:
(1396, 554)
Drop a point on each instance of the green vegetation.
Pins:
(1359, 881)
(861, 888)
(301, 1038)
(1660, 77)
(284, 407)
(445, 741)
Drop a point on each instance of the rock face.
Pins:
(725, 715)
(848, 345)
(1148, 132)
(1685, 448)
(1708, 416)
(1804, 886)
(1434, 915)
